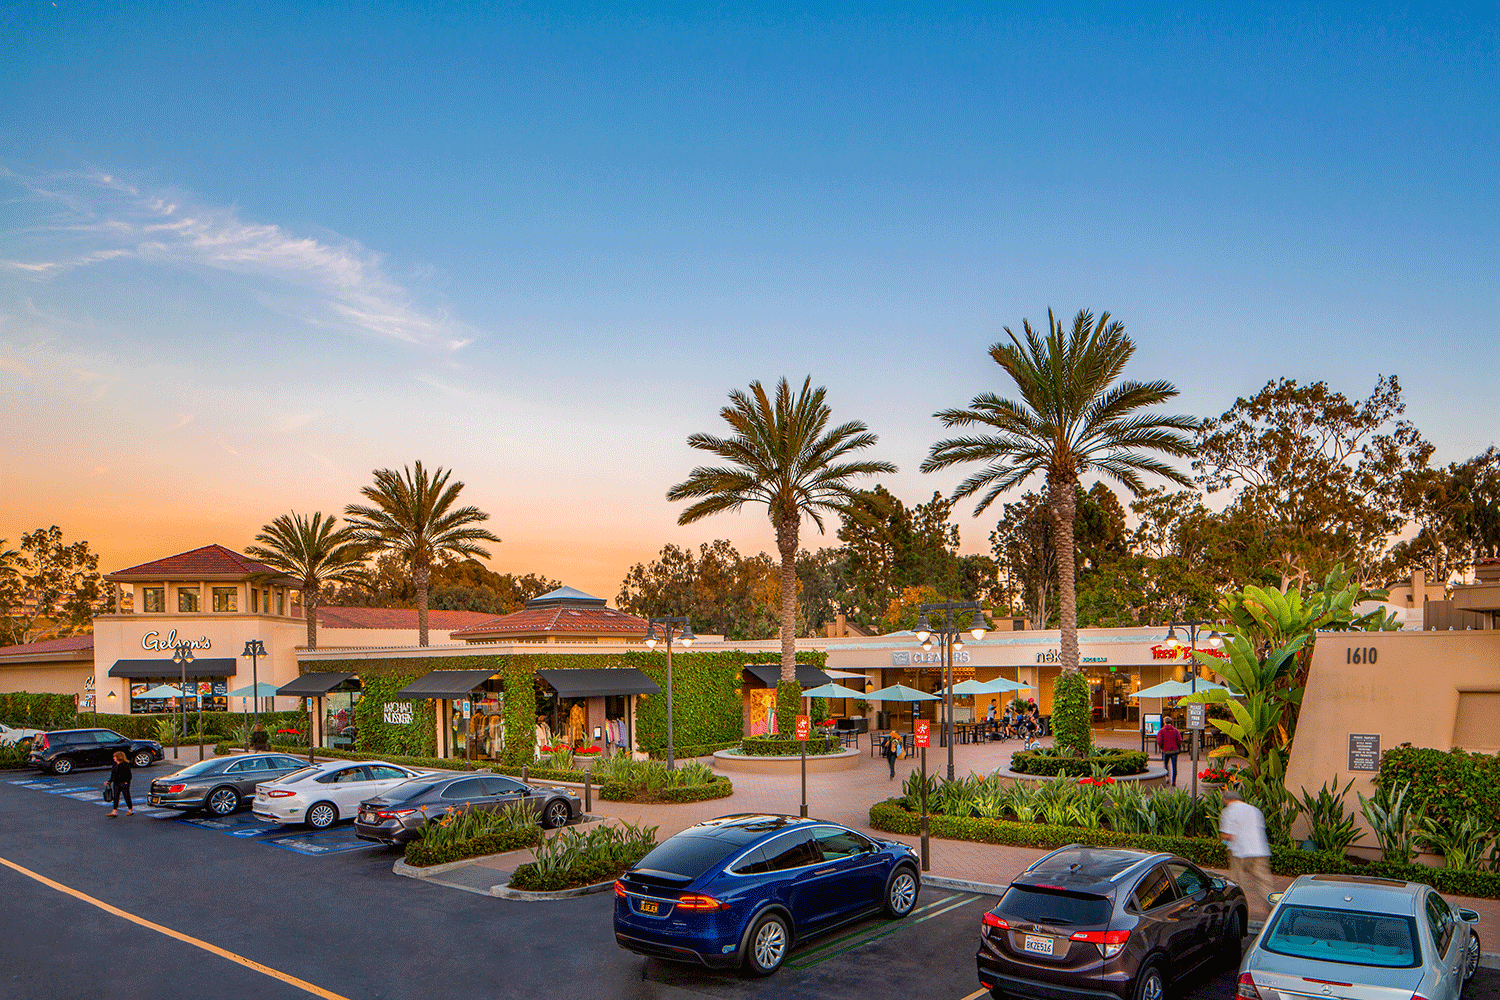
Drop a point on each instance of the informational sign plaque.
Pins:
(1364, 751)
(1195, 713)
(804, 727)
(924, 733)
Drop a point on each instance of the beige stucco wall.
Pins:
(1410, 694)
(47, 678)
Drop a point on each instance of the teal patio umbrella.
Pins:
(834, 691)
(161, 691)
(261, 690)
(1179, 689)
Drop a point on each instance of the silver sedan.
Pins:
(1353, 937)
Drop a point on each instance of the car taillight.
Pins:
(993, 920)
(174, 789)
(279, 793)
(393, 813)
(42, 745)
(1247, 990)
(620, 889)
(1109, 942)
(692, 901)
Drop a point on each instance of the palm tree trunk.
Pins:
(786, 544)
(421, 576)
(1063, 500)
(310, 611)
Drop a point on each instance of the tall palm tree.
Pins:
(780, 455)
(1072, 418)
(313, 551)
(413, 516)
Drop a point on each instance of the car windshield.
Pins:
(198, 768)
(686, 857)
(1055, 906)
(1348, 936)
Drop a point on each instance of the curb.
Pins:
(963, 885)
(412, 871)
(1490, 960)
(521, 895)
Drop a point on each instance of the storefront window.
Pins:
(281, 602)
(339, 727)
(187, 600)
(254, 600)
(154, 599)
(226, 599)
(213, 690)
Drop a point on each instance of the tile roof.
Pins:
(70, 644)
(336, 616)
(210, 560)
(563, 620)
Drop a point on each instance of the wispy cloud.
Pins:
(183, 419)
(94, 218)
(10, 365)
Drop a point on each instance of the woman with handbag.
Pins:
(891, 749)
(119, 782)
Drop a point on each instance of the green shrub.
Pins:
(575, 857)
(787, 746)
(1072, 713)
(26, 710)
(788, 706)
(1446, 786)
(1117, 762)
(624, 780)
(13, 755)
(819, 711)
(420, 855)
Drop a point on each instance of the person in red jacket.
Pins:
(1169, 742)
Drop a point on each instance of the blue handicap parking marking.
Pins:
(319, 842)
(235, 826)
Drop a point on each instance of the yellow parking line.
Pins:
(316, 991)
(976, 995)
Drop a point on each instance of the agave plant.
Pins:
(1332, 828)
(1173, 810)
(1388, 814)
(1461, 843)
(990, 800)
(1123, 809)
(1026, 801)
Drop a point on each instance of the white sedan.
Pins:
(322, 794)
(9, 734)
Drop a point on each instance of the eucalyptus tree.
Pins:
(314, 551)
(1074, 416)
(412, 514)
(782, 455)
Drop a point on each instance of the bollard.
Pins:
(588, 790)
(524, 771)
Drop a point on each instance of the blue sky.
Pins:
(248, 254)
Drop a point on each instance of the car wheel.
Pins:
(223, 801)
(322, 815)
(1230, 948)
(556, 814)
(61, 765)
(1472, 965)
(143, 758)
(1150, 985)
(769, 941)
(901, 893)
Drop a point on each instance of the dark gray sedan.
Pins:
(396, 816)
(221, 786)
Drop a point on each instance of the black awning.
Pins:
(200, 667)
(314, 685)
(445, 684)
(598, 683)
(808, 676)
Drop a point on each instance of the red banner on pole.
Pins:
(804, 727)
(924, 733)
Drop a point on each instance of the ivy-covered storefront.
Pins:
(709, 706)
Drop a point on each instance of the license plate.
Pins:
(156, 800)
(647, 906)
(1038, 945)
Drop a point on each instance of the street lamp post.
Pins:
(254, 649)
(182, 656)
(950, 639)
(686, 637)
(1192, 626)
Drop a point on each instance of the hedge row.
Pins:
(26, 710)
(437, 763)
(585, 871)
(618, 791)
(702, 749)
(1118, 762)
(892, 817)
(223, 724)
(420, 855)
(785, 746)
(1446, 785)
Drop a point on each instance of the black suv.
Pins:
(66, 749)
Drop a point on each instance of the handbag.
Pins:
(109, 790)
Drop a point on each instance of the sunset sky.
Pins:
(247, 255)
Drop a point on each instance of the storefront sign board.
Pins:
(398, 713)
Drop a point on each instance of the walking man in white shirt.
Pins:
(1243, 829)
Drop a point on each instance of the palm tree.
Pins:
(780, 456)
(414, 518)
(1072, 419)
(314, 552)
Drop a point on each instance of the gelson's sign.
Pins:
(151, 641)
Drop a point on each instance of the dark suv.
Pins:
(1090, 923)
(66, 749)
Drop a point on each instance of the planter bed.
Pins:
(618, 791)
(842, 760)
(418, 855)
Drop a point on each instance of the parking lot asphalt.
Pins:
(297, 921)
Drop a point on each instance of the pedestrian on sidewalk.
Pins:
(1169, 742)
(119, 781)
(889, 747)
(1243, 828)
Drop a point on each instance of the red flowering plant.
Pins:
(1219, 775)
(289, 732)
(1096, 782)
(587, 751)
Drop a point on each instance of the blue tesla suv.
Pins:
(740, 890)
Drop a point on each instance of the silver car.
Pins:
(1352, 937)
(221, 786)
